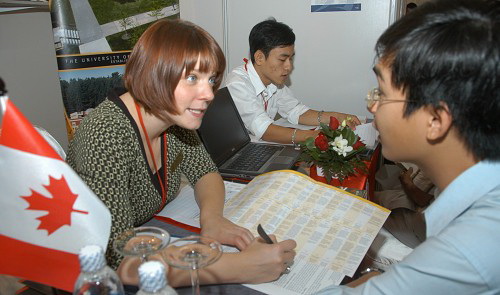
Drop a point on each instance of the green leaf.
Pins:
(310, 144)
(349, 135)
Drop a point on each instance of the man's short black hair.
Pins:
(269, 34)
(448, 52)
(411, 5)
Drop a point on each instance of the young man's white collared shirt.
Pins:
(258, 104)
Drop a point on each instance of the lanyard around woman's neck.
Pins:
(165, 158)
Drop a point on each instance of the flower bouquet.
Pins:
(335, 150)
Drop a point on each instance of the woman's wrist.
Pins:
(234, 268)
(209, 217)
(226, 270)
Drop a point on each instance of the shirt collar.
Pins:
(460, 194)
(257, 82)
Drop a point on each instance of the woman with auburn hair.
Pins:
(132, 149)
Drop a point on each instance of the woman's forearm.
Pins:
(225, 270)
(210, 193)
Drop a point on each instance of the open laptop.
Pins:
(227, 141)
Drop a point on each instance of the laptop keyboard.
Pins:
(253, 157)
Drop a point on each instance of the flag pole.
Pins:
(3, 101)
(3, 91)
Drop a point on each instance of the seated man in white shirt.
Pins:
(437, 106)
(259, 91)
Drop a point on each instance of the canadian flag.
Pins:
(48, 213)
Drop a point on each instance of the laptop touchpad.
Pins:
(282, 160)
(277, 166)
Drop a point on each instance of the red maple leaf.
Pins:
(59, 207)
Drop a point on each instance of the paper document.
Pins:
(184, 208)
(368, 134)
(333, 229)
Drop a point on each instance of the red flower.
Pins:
(321, 142)
(334, 123)
(358, 144)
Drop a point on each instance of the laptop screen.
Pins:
(222, 131)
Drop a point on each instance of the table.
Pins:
(33, 288)
(177, 231)
(362, 185)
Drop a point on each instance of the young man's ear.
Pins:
(439, 121)
(259, 57)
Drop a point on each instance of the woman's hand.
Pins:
(261, 262)
(258, 263)
(209, 192)
(226, 232)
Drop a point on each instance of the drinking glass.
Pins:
(193, 253)
(141, 242)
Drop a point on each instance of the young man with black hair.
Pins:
(259, 91)
(438, 106)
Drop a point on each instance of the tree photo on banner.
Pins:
(93, 39)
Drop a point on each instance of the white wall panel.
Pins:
(334, 50)
(29, 68)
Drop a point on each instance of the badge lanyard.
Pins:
(165, 159)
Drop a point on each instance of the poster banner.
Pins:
(335, 5)
(93, 39)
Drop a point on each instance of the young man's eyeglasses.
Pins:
(373, 97)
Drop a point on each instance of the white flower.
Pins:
(341, 146)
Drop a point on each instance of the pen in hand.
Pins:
(262, 233)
